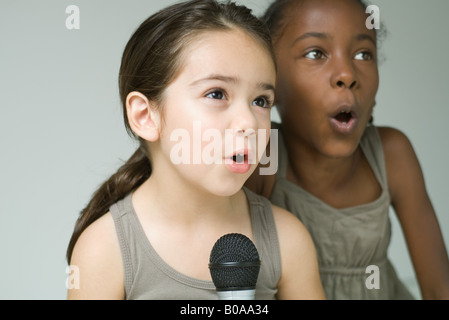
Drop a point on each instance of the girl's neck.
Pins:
(318, 173)
(172, 198)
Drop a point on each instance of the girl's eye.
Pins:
(315, 55)
(363, 56)
(216, 94)
(262, 102)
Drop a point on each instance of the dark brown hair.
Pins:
(151, 60)
(276, 14)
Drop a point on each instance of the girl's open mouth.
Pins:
(343, 117)
(344, 121)
(240, 162)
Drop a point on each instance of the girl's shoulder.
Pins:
(291, 230)
(97, 255)
(396, 146)
(300, 277)
(392, 137)
(401, 161)
(98, 236)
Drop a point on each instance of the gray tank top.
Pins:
(348, 240)
(147, 276)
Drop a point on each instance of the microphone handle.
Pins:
(237, 295)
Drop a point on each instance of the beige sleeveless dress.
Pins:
(348, 241)
(147, 276)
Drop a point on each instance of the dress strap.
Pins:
(265, 234)
(119, 211)
(371, 145)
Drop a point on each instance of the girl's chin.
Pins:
(223, 188)
(341, 150)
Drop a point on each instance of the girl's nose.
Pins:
(344, 75)
(244, 121)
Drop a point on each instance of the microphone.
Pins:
(234, 266)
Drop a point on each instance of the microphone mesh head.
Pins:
(234, 263)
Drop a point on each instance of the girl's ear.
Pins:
(143, 118)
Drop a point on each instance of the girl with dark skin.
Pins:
(338, 168)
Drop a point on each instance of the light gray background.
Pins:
(61, 130)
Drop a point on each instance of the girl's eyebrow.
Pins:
(322, 35)
(266, 86)
(363, 36)
(218, 77)
(306, 35)
(234, 80)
